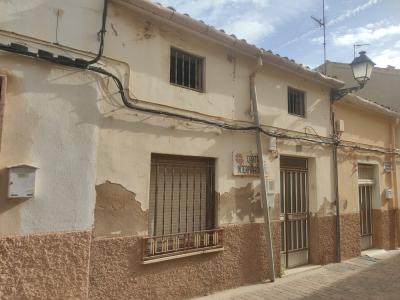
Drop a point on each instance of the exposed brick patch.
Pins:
(44, 266)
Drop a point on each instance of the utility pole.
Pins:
(322, 23)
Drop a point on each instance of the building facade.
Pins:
(368, 177)
(156, 194)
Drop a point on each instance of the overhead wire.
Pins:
(88, 65)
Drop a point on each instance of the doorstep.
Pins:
(373, 252)
(301, 269)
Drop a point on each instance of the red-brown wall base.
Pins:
(384, 228)
(350, 235)
(45, 266)
(322, 239)
(117, 273)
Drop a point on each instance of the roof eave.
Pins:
(369, 105)
(187, 23)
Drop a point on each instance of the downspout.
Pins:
(396, 200)
(336, 179)
(264, 201)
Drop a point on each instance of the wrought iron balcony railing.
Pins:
(181, 243)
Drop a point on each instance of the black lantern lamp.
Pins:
(361, 67)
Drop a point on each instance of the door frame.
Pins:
(300, 180)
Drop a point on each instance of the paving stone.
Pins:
(360, 278)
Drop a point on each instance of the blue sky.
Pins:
(285, 26)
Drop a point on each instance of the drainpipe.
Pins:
(396, 199)
(264, 201)
(336, 179)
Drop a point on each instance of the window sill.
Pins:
(178, 255)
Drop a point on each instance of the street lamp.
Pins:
(361, 67)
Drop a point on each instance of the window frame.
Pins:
(202, 69)
(211, 208)
(304, 115)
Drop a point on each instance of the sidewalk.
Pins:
(372, 276)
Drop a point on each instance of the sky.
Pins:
(286, 27)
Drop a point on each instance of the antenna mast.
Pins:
(322, 23)
(355, 46)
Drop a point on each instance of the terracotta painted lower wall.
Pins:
(56, 266)
(45, 266)
(116, 271)
(384, 228)
(322, 239)
(350, 235)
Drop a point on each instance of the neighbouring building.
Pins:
(155, 195)
(368, 177)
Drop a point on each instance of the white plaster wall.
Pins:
(50, 121)
(63, 119)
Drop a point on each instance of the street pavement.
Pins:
(373, 276)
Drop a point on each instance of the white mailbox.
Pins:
(21, 181)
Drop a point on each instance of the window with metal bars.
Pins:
(186, 70)
(296, 102)
(181, 194)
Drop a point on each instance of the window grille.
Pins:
(296, 102)
(181, 195)
(186, 70)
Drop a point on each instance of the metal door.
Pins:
(366, 184)
(365, 199)
(294, 212)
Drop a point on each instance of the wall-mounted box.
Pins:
(388, 193)
(339, 126)
(21, 181)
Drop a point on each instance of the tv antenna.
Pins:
(322, 23)
(357, 46)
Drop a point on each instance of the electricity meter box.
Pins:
(21, 181)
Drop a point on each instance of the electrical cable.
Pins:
(87, 65)
(102, 33)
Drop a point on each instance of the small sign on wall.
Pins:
(387, 167)
(245, 164)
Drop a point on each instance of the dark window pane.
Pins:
(173, 68)
(186, 70)
(296, 102)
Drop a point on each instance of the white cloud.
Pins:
(366, 34)
(252, 20)
(347, 14)
(387, 57)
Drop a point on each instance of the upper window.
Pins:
(186, 70)
(296, 102)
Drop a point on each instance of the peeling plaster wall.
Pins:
(117, 212)
(127, 139)
(50, 122)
